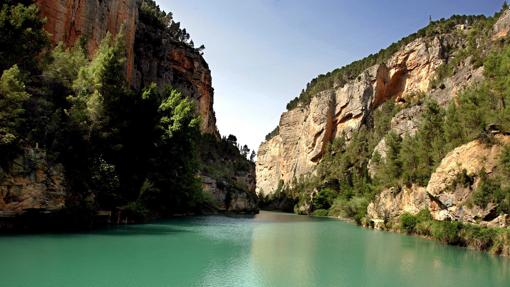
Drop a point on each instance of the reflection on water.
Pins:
(270, 249)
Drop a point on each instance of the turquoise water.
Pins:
(270, 249)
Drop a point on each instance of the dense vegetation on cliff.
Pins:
(122, 149)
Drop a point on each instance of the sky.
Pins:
(262, 53)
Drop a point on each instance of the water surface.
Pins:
(270, 249)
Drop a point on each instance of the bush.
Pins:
(320, 212)
(324, 198)
(478, 237)
(446, 231)
(408, 222)
(488, 190)
(355, 208)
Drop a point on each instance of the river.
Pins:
(269, 249)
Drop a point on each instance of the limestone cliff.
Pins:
(305, 131)
(405, 76)
(435, 67)
(151, 55)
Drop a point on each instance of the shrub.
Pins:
(408, 222)
(324, 198)
(446, 231)
(320, 212)
(488, 189)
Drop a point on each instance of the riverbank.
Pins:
(495, 241)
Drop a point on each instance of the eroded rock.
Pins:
(32, 183)
(450, 200)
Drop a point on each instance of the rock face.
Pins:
(160, 59)
(31, 183)
(68, 20)
(151, 55)
(229, 198)
(391, 203)
(449, 198)
(446, 197)
(502, 26)
(305, 131)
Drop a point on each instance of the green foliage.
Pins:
(13, 95)
(505, 159)
(324, 198)
(273, 133)
(177, 112)
(122, 149)
(65, 64)
(456, 233)
(382, 119)
(446, 231)
(320, 212)
(408, 222)
(21, 34)
(152, 15)
(412, 159)
(489, 190)
(99, 85)
(391, 168)
(354, 207)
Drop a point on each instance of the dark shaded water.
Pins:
(270, 249)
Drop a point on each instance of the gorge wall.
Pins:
(305, 131)
(426, 67)
(34, 183)
(151, 55)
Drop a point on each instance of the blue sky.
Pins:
(263, 52)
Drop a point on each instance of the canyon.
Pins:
(408, 77)
(37, 184)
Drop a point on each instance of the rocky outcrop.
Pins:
(152, 56)
(502, 26)
(393, 202)
(448, 195)
(450, 199)
(31, 183)
(239, 197)
(414, 66)
(305, 131)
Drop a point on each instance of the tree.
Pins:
(12, 97)
(245, 151)
(21, 34)
(409, 159)
(178, 114)
(100, 85)
(392, 167)
(429, 141)
(65, 64)
(232, 139)
(252, 156)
